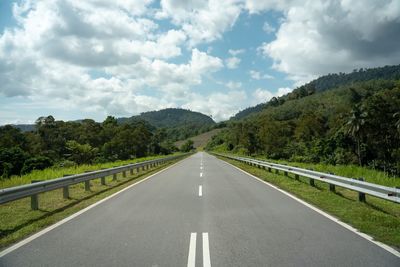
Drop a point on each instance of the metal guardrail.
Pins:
(362, 187)
(32, 190)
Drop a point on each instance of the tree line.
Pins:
(357, 123)
(55, 142)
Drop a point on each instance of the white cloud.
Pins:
(256, 75)
(234, 52)
(220, 106)
(268, 28)
(233, 85)
(262, 95)
(232, 62)
(202, 21)
(321, 37)
(58, 45)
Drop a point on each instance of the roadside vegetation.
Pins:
(56, 172)
(338, 119)
(376, 217)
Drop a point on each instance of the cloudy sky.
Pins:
(78, 59)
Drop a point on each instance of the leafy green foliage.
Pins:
(79, 142)
(351, 124)
(36, 163)
(187, 146)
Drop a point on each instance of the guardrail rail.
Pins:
(359, 185)
(36, 187)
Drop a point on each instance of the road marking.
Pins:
(201, 174)
(206, 251)
(201, 167)
(200, 190)
(323, 213)
(51, 227)
(192, 250)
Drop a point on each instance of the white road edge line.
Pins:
(201, 174)
(332, 218)
(200, 190)
(51, 227)
(192, 250)
(206, 251)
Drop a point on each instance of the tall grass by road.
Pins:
(56, 172)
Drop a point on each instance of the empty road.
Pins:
(200, 212)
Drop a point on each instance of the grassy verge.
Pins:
(378, 218)
(18, 221)
(55, 172)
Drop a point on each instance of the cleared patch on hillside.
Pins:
(200, 140)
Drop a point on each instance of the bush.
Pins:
(187, 146)
(36, 163)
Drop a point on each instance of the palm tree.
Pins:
(354, 127)
(397, 123)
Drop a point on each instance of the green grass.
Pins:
(18, 221)
(56, 172)
(350, 171)
(376, 217)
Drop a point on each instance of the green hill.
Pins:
(178, 123)
(324, 83)
(356, 123)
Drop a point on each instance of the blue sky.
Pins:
(89, 59)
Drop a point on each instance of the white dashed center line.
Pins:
(206, 251)
(192, 250)
(200, 190)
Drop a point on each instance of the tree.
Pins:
(187, 146)
(81, 153)
(36, 163)
(355, 125)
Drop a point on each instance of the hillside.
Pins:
(200, 140)
(358, 123)
(172, 117)
(178, 123)
(327, 82)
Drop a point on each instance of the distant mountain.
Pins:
(327, 82)
(172, 117)
(178, 123)
(25, 127)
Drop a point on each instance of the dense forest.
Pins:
(62, 143)
(324, 83)
(357, 122)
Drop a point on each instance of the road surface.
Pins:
(200, 212)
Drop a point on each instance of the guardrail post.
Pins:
(286, 173)
(66, 189)
(276, 171)
(332, 188)
(87, 184)
(312, 182)
(131, 171)
(361, 196)
(35, 198)
(296, 176)
(124, 174)
(103, 180)
(143, 168)
(269, 169)
(114, 177)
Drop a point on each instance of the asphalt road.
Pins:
(200, 212)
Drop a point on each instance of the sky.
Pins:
(78, 59)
